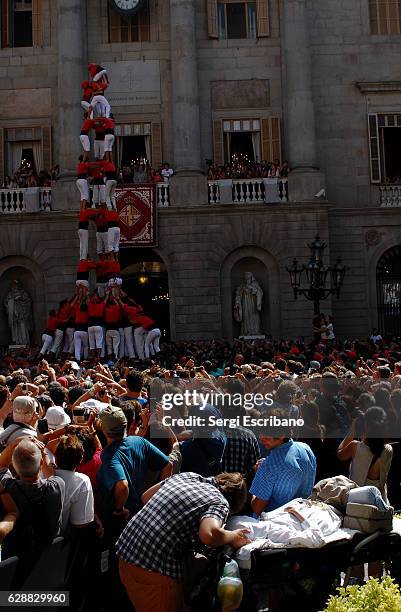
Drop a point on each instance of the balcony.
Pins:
(248, 191)
(390, 195)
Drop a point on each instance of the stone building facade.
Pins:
(312, 81)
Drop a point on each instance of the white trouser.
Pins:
(99, 194)
(111, 194)
(83, 187)
(83, 243)
(121, 350)
(113, 342)
(95, 334)
(47, 342)
(108, 142)
(98, 148)
(152, 342)
(129, 342)
(113, 234)
(81, 345)
(68, 340)
(85, 142)
(104, 108)
(102, 242)
(57, 341)
(139, 336)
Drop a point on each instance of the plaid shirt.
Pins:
(241, 452)
(159, 535)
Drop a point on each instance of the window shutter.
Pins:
(218, 148)
(2, 172)
(271, 138)
(5, 19)
(212, 21)
(156, 145)
(47, 147)
(263, 21)
(37, 23)
(374, 149)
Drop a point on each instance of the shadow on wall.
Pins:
(27, 280)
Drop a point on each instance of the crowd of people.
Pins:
(26, 176)
(243, 169)
(88, 445)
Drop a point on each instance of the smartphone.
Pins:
(81, 415)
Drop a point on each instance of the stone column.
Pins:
(72, 69)
(306, 180)
(188, 187)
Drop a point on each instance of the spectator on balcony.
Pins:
(140, 174)
(285, 169)
(32, 180)
(156, 177)
(15, 181)
(167, 173)
(127, 174)
(7, 183)
(54, 172)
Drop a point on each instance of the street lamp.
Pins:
(310, 280)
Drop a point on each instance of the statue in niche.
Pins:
(18, 305)
(248, 305)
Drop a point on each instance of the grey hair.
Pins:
(26, 459)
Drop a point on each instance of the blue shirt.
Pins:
(128, 459)
(287, 473)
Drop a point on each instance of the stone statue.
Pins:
(18, 305)
(247, 306)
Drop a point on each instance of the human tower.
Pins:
(107, 323)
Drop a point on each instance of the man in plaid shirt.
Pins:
(176, 511)
(241, 452)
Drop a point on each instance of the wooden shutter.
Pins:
(271, 138)
(37, 23)
(374, 149)
(212, 20)
(2, 169)
(218, 146)
(5, 20)
(262, 18)
(47, 147)
(156, 145)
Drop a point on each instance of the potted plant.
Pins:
(374, 596)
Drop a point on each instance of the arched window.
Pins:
(388, 278)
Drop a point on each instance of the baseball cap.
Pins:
(113, 421)
(24, 406)
(56, 417)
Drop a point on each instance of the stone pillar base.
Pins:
(305, 185)
(65, 194)
(188, 190)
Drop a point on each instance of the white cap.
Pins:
(56, 417)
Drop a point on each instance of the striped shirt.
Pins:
(287, 473)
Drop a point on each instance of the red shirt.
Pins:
(144, 321)
(112, 313)
(132, 312)
(108, 267)
(101, 218)
(83, 168)
(81, 316)
(64, 313)
(112, 215)
(51, 324)
(91, 468)
(96, 310)
(87, 126)
(85, 265)
(108, 166)
(87, 213)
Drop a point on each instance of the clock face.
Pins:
(127, 6)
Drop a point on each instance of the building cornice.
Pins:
(378, 87)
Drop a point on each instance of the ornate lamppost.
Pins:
(314, 280)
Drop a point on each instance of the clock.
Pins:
(127, 8)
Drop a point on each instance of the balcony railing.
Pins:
(390, 195)
(39, 199)
(25, 200)
(248, 191)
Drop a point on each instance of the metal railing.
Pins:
(390, 195)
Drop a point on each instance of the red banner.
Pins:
(136, 206)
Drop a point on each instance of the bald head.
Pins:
(26, 459)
